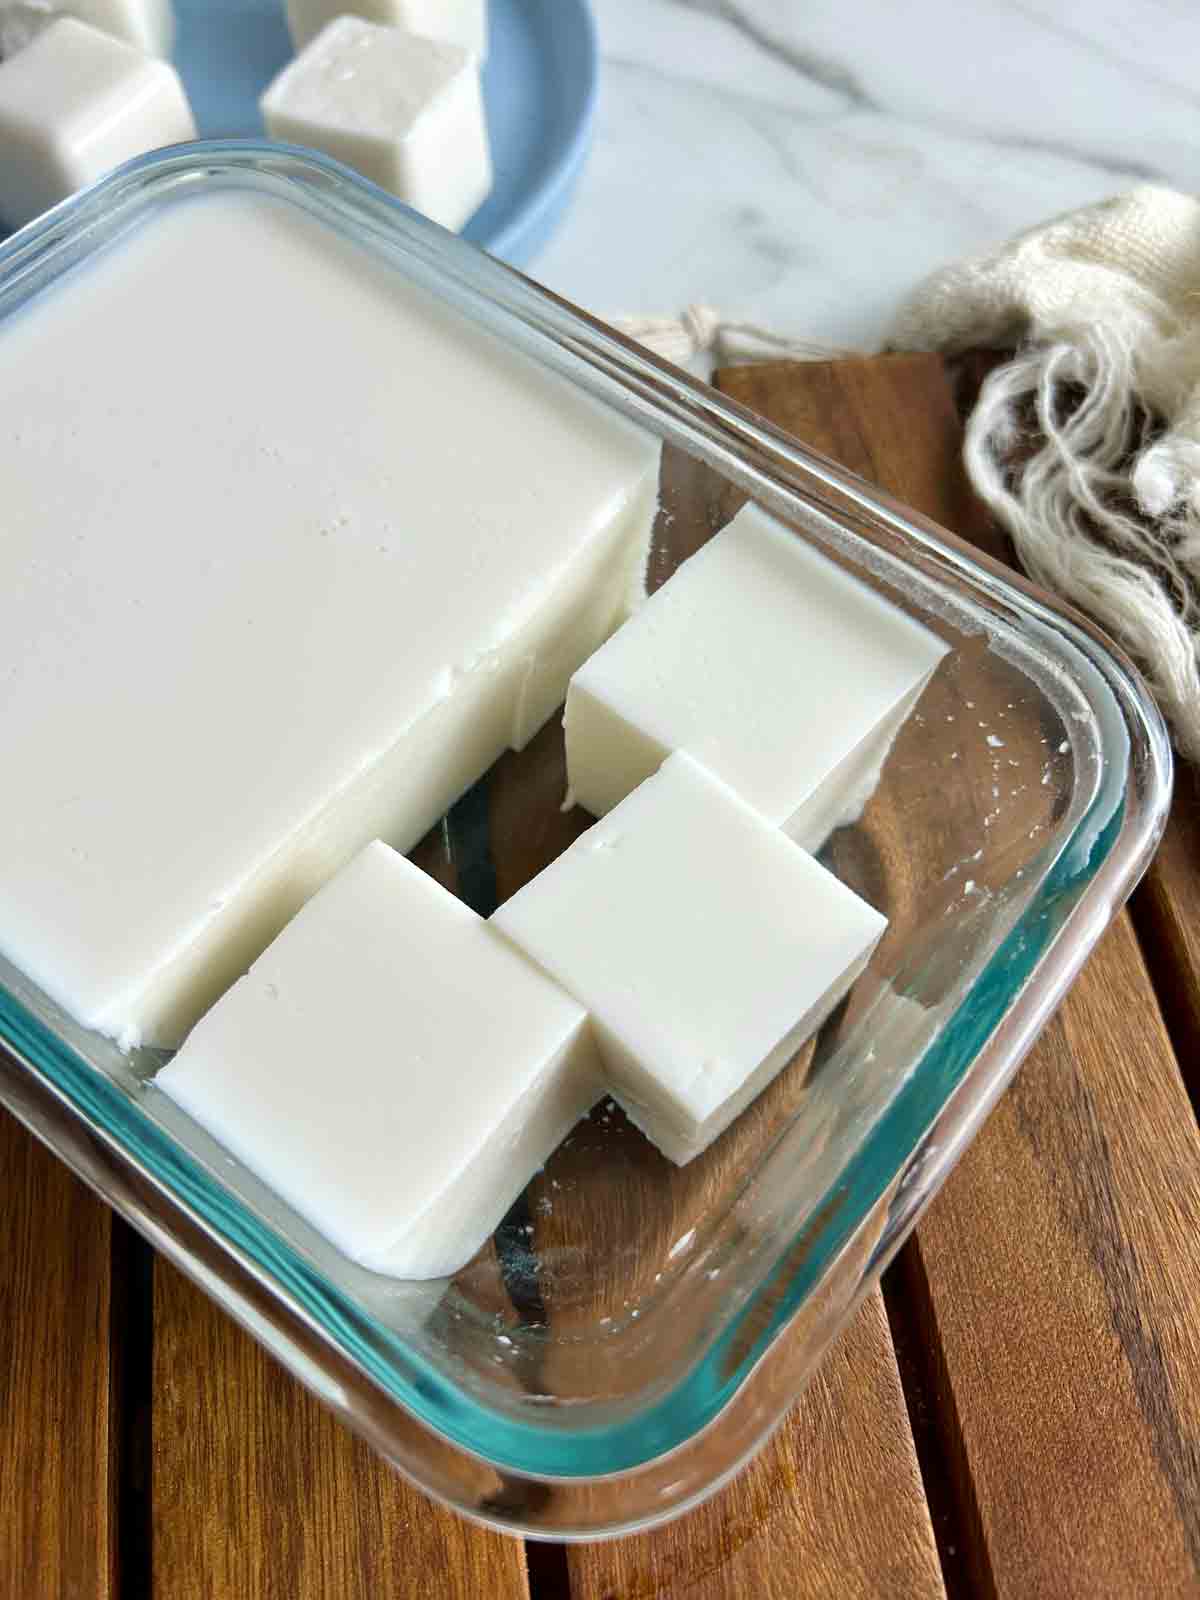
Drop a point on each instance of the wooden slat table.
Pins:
(1016, 1414)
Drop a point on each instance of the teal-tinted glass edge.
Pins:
(541, 1450)
(697, 1400)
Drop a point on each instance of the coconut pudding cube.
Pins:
(405, 111)
(777, 670)
(148, 24)
(74, 103)
(392, 1068)
(705, 943)
(460, 22)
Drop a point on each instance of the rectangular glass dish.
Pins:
(635, 1330)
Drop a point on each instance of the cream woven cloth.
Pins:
(1103, 306)
(1103, 309)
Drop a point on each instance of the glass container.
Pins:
(634, 1330)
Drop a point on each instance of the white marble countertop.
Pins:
(802, 163)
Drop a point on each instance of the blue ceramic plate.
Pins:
(539, 84)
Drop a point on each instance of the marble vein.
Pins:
(825, 70)
(801, 165)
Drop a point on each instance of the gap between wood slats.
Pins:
(1166, 913)
(468, 839)
(844, 409)
(937, 1436)
(1165, 909)
(1166, 918)
(131, 1356)
(1166, 921)
(549, 1575)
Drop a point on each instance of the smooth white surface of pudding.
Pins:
(777, 670)
(705, 943)
(290, 554)
(460, 22)
(148, 24)
(74, 103)
(404, 111)
(392, 1068)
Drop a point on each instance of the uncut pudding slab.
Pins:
(290, 554)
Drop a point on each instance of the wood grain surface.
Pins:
(57, 1528)
(1048, 1311)
(831, 1509)
(834, 1504)
(259, 1494)
(1055, 1285)
(1166, 911)
(893, 419)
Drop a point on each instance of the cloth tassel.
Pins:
(702, 330)
(1080, 509)
(1086, 444)
(1101, 306)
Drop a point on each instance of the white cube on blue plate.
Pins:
(404, 111)
(392, 1068)
(705, 944)
(74, 103)
(148, 24)
(460, 22)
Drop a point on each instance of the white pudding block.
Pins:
(75, 103)
(459, 22)
(20, 25)
(404, 111)
(392, 1068)
(291, 554)
(148, 24)
(776, 669)
(705, 943)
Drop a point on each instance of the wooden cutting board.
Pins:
(1017, 1414)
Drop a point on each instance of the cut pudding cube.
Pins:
(706, 945)
(392, 1068)
(148, 24)
(358, 552)
(460, 22)
(73, 104)
(404, 111)
(20, 25)
(778, 671)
